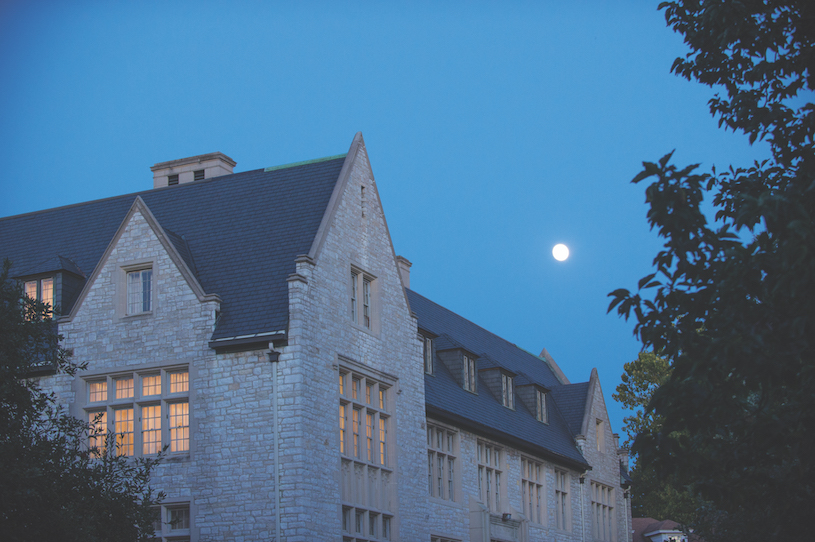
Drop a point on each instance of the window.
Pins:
(140, 291)
(469, 374)
(533, 491)
(198, 175)
(362, 299)
(442, 539)
(507, 396)
(540, 412)
(441, 462)
(601, 435)
(145, 410)
(41, 290)
(172, 180)
(489, 476)
(602, 499)
(173, 523)
(428, 355)
(562, 499)
(365, 442)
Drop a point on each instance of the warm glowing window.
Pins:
(367, 485)
(139, 291)
(144, 418)
(151, 385)
(41, 290)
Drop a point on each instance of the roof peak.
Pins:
(304, 162)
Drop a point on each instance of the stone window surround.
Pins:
(434, 451)
(489, 475)
(533, 488)
(121, 287)
(427, 353)
(350, 513)
(82, 408)
(164, 531)
(563, 502)
(360, 276)
(602, 511)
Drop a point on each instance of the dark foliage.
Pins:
(52, 486)
(731, 305)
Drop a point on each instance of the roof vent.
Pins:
(194, 168)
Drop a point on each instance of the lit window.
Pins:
(441, 463)
(41, 290)
(532, 490)
(139, 291)
(367, 484)
(562, 499)
(489, 476)
(602, 512)
(469, 374)
(507, 396)
(362, 299)
(144, 419)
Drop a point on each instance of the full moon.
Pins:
(560, 252)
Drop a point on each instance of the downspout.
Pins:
(582, 509)
(274, 357)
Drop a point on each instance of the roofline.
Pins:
(305, 162)
(594, 381)
(518, 443)
(152, 222)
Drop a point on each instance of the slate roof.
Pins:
(571, 400)
(238, 233)
(483, 412)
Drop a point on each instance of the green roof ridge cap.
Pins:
(304, 162)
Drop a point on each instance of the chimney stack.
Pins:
(194, 168)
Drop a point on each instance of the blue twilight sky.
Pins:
(495, 130)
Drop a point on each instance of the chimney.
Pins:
(404, 270)
(194, 168)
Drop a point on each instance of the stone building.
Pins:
(260, 326)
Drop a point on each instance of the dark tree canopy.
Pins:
(52, 486)
(731, 304)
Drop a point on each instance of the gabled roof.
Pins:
(483, 413)
(239, 234)
(571, 401)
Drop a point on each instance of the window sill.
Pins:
(443, 502)
(137, 315)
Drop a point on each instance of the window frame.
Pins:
(442, 461)
(507, 391)
(491, 491)
(132, 292)
(108, 412)
(363, 298)
(562, 500)
(366, 423)
(533, 490)
(469, 373)
(39, 289)
(602, 512)
(427, 354)
(541, 412)
(165, 531)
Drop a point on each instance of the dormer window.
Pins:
(41, 290)
(507, 395)
(469, 374)
(428, 355)
(540, 412)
